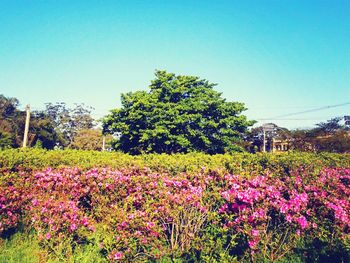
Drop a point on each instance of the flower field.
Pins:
(263, 209)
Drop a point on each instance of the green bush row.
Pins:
(238, 163)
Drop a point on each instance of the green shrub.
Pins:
(238, 163)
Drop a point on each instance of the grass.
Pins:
(25, 248)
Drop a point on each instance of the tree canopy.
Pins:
(177, 114)
(69, 121)
(57, 125)
(90, 139)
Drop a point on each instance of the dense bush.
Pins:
(238, 163)
(177, 208)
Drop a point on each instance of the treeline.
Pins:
(329, 136)
(60, 127)
(57, 126)
(178, 114)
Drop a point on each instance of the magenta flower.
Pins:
(252, 243)
(302, 222)
(73, 227)
(255, 232)
(116, 256)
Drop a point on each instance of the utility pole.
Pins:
(25, 137)
(264, 140)
(267, 127)
(104, 143)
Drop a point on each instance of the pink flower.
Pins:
(223, 209)
(48, 236)
(35, 202)
(131, 216)
(116, 256)
(255, 232)
(289, 218)
(150, 225)
(73, 227)
(85, 221)
(253, 243)
(302, 222)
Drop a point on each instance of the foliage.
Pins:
(136, 214)
(328, 136)
(57, 125)
(339, 141)
(69, 121)
(8, 121)
(275, 213)
(244, 164)
(42, 129)
(90, 139)
(12, 121)
(22, 248)
(6, 140)
(26, 247)
(178, 114)
(330, 126)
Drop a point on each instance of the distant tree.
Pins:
(255, 139)
(57, 125)
(177, 114)
(8, 107)
(9, 122)
(338, 142)
(89, 139)
(328, 127)
(331, 136)
(328, 136)
(302, 140)
(69, 121)
(6, 140)
(42, 131)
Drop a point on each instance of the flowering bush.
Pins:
(136, 214)
(274, 213)
(10, 207)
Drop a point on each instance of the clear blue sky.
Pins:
(277, 57)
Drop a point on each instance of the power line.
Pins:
(306, 111)
(294, 119)
(280, 107)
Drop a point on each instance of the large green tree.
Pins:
(177, 114)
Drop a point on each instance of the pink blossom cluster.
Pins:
(135, 205)
(298, 202)
(139, 208)
(11, 201)
(57, 218)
